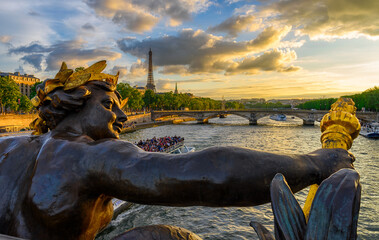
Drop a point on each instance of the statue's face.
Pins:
(102, 116)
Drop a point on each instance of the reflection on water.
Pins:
(233, 223)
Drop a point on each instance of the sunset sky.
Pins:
(232, 49)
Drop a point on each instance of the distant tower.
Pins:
(150, 79)
(176, 88)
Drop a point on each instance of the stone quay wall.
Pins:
(139, 118)
(15, 122)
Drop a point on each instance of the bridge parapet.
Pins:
(253, 115)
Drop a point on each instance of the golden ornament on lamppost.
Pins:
(339, 128)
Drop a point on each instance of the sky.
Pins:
(228, 49)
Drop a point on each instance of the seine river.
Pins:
(233, 222)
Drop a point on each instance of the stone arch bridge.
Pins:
(308, 116)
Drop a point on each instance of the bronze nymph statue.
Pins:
(59, 183)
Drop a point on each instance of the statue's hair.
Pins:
(60, 103)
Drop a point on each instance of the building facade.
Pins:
(24, 82)
(142, 90)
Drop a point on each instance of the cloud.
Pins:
(72, 52)
(5, 38)
(188, 52)
(20, 20)
(274, 60)
(175, 69)
(169, 84)
(33, 47)
(137, 69)
(328, 19)
(165, 85)
(236, 24)
(142, 15)
(122, 70)
(20, 69)
(88, 26)
(34, 59)
(136, 21)
(274, 86)
(33, 13)
(270, 36)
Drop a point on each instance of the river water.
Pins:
(288, 137)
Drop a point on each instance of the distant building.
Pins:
(190, 95)
(176, 89)
(292, 102)
(150, 79)
(24, 82)
(142, 90)
(252, 100)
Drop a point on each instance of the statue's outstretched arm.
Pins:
(217, 176)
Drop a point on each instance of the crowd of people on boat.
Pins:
(159, 144)
(370, 127)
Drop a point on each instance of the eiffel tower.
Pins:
(150, 79)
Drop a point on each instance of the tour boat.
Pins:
(180, 148)
(278, 117)
(119, 206)
(370, 130)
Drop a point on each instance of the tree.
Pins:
(196, 104)
(169, 100)
(372, 98)
(319, 104)
(135, 98)
(25, 104)
(79, 69)
(33, 91)
(9, 94)
(149, 99)
(124, 90)
(185, 100)
(234, 105)
(135, 101)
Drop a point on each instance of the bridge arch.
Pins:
(253, 115)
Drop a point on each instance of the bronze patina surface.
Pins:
(59, 185)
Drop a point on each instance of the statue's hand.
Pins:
(329, 161)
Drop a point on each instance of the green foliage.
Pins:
(79, 69)
(33, 91)
(166, 101)
(25, 104)
(318, 104)
(234, 105)
(135, 97)
(204, 104)
(9, 94)
(368, 99)
(149, 99)
(171, 101)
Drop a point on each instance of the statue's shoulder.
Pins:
(113, 142)
(17, 161)
(16, 142)
(80, 146)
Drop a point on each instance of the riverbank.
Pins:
(15, 125)
(151, 124)
(15, 122)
